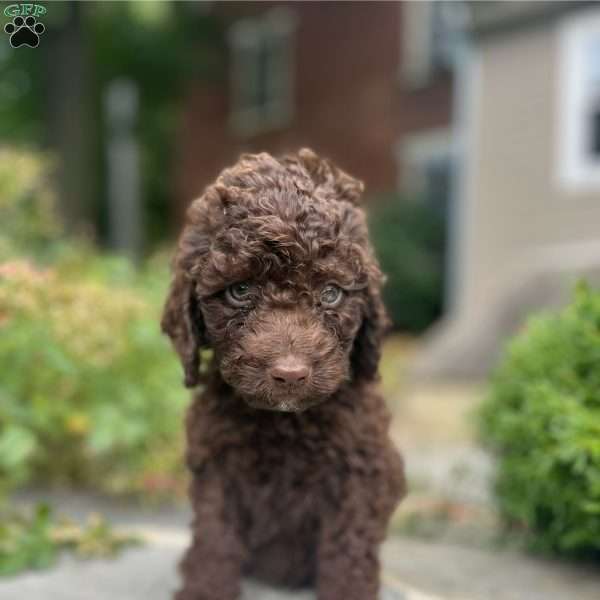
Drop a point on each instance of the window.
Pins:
(578, 152)
(430, 32)
(425, 163)
(262, 72)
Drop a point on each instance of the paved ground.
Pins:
(459, 572)
(143, 574)
(412, 569)
(146, 573)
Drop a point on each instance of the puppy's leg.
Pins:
(212, 566)
(348, 551)
(348, 566)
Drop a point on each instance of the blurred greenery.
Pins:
(86, 374)
(409, 240)
(90, 392)
(542, 419)
(29, 220)
(162, 46)
(34, 541)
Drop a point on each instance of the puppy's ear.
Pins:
(367, 343)
(182, 322)
(347, 187)
(324, 172)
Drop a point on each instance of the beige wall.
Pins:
(515, 204)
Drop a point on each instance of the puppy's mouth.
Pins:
(289, 401)
(285, 406)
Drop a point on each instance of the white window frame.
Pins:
(415, 151)
(430, 31)
(274, 29)
(576, 169)
(415, 37)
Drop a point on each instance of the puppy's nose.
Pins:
(289, 370)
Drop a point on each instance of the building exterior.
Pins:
(527, 219)
(394, 95)
(368, 84)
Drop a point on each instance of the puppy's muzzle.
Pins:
(290, 371)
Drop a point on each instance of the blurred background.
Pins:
(476, 128)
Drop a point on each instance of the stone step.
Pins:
(148, 572)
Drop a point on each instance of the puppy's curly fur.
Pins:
(294, 477)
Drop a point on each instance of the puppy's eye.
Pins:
(331, 295)
(239, 294)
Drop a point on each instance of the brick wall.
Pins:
(349, 104)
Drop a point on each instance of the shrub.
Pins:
(28, 220)
(409, 241)
(542, 419)
(90, 391)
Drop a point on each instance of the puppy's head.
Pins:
(275, 273)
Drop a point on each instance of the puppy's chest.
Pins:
(278, 462)
(282, 486)
(268, 455)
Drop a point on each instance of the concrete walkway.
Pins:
(147, 573)
(412, 569)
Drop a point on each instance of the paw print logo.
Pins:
(24, 32)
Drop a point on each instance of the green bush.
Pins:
(542, 419)
(90, 392)
(409, 241)
(28, 221)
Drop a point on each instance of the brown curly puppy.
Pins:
(294, 477)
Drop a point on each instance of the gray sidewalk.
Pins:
(146, 573)
(413, 569)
